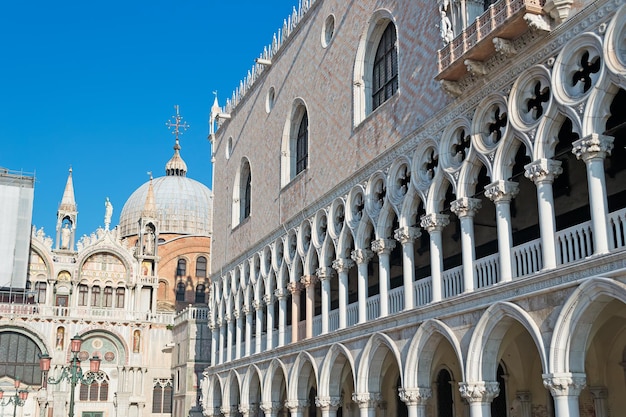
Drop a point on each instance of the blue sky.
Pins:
(91, 84)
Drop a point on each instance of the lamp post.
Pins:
(18, 399)
(72, 372)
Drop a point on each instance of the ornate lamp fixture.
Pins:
(18, 399)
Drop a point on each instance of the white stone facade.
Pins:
(457, 250)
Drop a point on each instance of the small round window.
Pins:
(229, 147)
(269, 100)
(328, 30)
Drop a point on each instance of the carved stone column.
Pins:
(525, 401)
(258, 307)
(220, 324)
(479, 395)
(214, 342)
(565, 389)
(328, 405)
(406, 236)
(238, 320)
(416, 400)
(342, 266)
(383, 248)
(281, 296)
(501, 193)
(268, 299)
(362, 258)
(367, 402)
(324, 274)
(434, 224)
(229, 337)
(465, 209)
(248, 329)
(308, 282)
(296, 407)
(594, 149)
(543, 172)
(244, 409)
(600, 401)
(294, 288)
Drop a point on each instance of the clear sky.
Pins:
(91, 84)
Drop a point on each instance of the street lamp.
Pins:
(18, 399)
(72, 372)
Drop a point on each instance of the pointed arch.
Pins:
(575, 322)
(421, 351)
(489, 333)
(330, 373)
(371, 360)
(300, 374)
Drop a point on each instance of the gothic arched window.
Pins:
(180, 291)
(246, 191)
(200, 291)
(181, 268)
(201, 267)
(385, 68)
(302, 144)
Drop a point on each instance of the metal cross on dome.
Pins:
(177, 125)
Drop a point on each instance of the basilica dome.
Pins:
(182, 205)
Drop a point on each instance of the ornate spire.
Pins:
(68, 203)
(149, 208)
(176, 166)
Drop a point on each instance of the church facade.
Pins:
(423, 213)
(136, 296)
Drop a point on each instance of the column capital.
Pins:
(342, 265)
(268, 299)
(227, 411)
(367, 399)
(271, 407)
(246, 309)
(308, 280)
(383, 246)
(523, 396)
(257, 305)
(294, 287)
(479, 391)
(415, 396)
(296, 405)
(361, 256)
(599, 392)
(565, 384)
(244, 409)
(227, 318)
(280, 293)
(236, 314)
(406, 234)
(328, 403)
(465, 207)
(501, 190)
(543, 170)
(594, 146)
(434, 221)
(323, 273)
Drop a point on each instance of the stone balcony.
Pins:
(503, 21)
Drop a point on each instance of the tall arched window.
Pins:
(83, 295)
(201, 267)
(162, 396)
(107, 299)
(302, 144)
(181, 268)
(119, 297)
(246, 191)
(95, 296)
(97, 391)
(200, 291)
(385, 68)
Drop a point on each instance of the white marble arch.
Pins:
(251, 386)
(303, 367)
(270, 392)
(573, 327)
(421, 351)
(369, 368)
(330, 373)
(488, 334)
(232, 390)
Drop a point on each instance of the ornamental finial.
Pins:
(177, 124)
